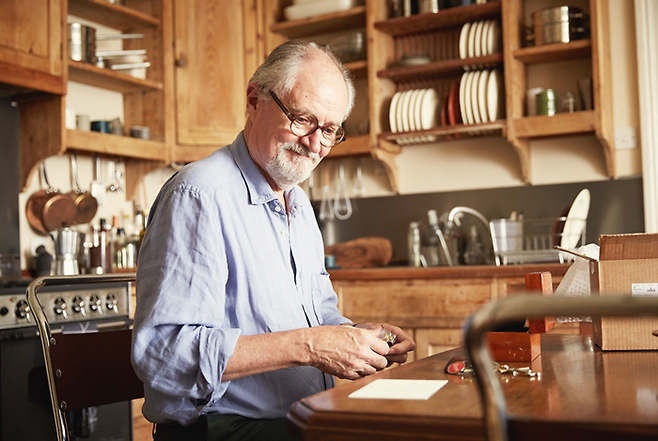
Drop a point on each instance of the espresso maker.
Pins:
(68, 246)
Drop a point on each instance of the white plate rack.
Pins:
(533, 240)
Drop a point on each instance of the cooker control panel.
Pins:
(74, 303)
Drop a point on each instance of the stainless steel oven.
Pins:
(25, 410)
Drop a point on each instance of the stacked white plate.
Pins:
(414, 110)
(479, 39)
(481, 96)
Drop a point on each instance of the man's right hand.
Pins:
(346, 351)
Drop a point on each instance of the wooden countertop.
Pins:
(445, 272)
(583, 393)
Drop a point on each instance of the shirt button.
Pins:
(282, 232)
(277, 208)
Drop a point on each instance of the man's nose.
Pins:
(313, 141)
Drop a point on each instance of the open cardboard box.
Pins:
(627, 266)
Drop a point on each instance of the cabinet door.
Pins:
(32, 54)
(430, 341)
(215, 52)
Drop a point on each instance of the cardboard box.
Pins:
(627, 266)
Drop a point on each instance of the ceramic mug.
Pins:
(546, 103)
(101, 126)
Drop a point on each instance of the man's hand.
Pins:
(346, 351)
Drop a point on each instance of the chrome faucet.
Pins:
(454, 219)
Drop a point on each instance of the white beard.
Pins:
(285, 173)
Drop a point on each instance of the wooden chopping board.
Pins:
(364, 252)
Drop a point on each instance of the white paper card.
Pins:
(645, 289)
(388, 389)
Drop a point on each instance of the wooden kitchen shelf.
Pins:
(116, 145)
(550, 53)
(439, 68)
(322, 24)
(91, 75)
(358, 68)
(353, 146)
(460, 131)
(559, 124)
(112, 15)
(447, 18)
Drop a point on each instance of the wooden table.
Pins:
(583, 394)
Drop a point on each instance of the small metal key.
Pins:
(522, 371)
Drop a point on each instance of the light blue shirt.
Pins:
(221, 259)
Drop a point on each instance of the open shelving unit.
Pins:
(143, 98)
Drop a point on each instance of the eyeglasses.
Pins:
(304, 124)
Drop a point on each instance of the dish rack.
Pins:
(533, 240)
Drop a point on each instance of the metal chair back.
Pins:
(88, 369)
(518, 308)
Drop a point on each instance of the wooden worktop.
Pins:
(582, 393)
(446, 272)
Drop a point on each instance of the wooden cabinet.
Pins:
(216, 52)
(316, 27)
(437, 35)
(592, 55)
(43, 132)
(431, 304)
(32, 46)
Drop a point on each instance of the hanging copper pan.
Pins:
(86, 205)
(49, 209)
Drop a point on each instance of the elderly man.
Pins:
(236, 318)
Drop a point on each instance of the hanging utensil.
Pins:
(342, 203)
(97, 185)
(86, 204)
(326, 207)
(49, 209)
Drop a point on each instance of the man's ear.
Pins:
(252, 97)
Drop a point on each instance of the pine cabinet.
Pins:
(32, 46)
(430, 304)
(42, 128)
(436, 36)
(215, 54)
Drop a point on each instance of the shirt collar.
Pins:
(258, 188)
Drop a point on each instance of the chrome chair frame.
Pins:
(518, 308)
(46, 336)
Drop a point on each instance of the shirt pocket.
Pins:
(322, 293)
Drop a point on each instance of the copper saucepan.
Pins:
(48, 210)
(86, 204)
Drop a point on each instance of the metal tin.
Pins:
(560, 32)
(558, 14)
(561, 24)
(82, 43)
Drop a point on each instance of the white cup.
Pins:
(69, 119)
(82, 122)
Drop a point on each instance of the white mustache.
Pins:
(302, 150)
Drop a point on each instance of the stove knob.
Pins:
(23, 310)
(4, 310)
(78, 305)
(60, 308)
(111, 303)
(96, 304)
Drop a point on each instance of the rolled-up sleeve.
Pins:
(181, 344)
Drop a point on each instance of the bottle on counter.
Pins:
(119, 249)
(416, 258)
(434, 246)
(474, 252)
